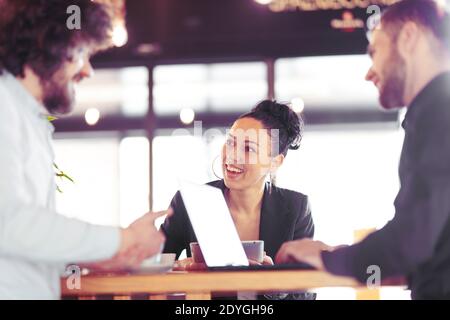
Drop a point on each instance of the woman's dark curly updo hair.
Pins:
(36, 33)
(274, 115)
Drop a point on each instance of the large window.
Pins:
(111, 178)
(183, 156)
(115, 92)
(349, 174)
(224, 87)
(324, 83)
(94, 165)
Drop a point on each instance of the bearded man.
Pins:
(41, 60)
(411, 64)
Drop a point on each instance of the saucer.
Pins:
(155, 268)
(150, 266)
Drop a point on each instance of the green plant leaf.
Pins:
(62, 175)
(51, 118)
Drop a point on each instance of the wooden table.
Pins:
(199, 285)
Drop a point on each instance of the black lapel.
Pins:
(272, 229)
(274, 211)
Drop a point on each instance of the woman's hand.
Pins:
(266, 261)
(189, 264)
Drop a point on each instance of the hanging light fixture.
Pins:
(120, 35)
(264, 2)
(187, 116)
(118, 13)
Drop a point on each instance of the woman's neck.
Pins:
(246, 201)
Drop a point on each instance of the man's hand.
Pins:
(138, 242)
(189, 264)
(267, 260)
(304, 250)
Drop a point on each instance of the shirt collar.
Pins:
(22, 95)
(25, 99)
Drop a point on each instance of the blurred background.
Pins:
(176, 62)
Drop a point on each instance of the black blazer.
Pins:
(416, 242)
(285, 215)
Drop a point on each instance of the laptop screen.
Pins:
(213, 225)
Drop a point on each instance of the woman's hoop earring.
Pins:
(212, 168)
(272, 181)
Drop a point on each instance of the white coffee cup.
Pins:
(153, 260)
(254, 250)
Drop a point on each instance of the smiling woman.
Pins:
(258, 142)
(255, 148)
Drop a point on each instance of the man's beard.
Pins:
(57, 96)
(394, 74)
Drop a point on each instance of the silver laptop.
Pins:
(215, 230)
(213, 225)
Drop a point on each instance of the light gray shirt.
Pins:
(35, 241)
